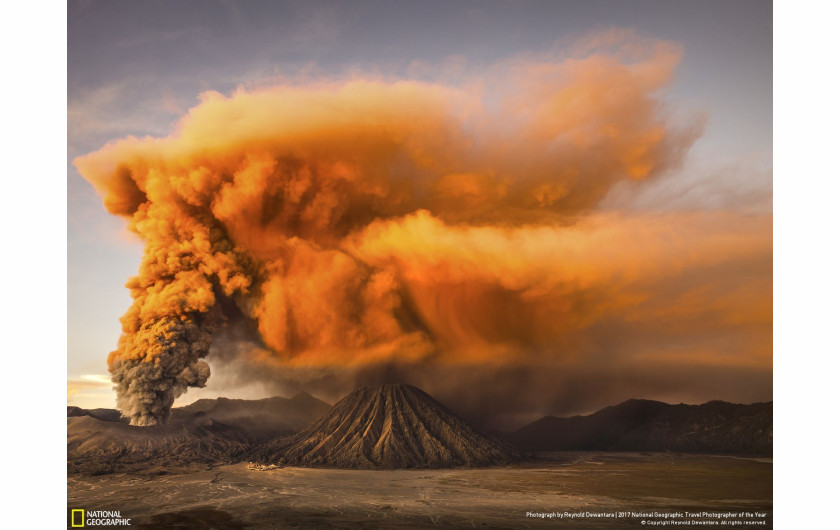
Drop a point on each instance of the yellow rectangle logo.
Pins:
(73, 519)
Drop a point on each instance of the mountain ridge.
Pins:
(410, 430)
(206, 432)
(646, 425)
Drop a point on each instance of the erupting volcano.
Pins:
(303, 235)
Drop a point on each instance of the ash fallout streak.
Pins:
(369, 221)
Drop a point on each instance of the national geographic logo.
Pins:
(81, 518)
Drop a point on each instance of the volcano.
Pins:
(388, 427)
(207, 432)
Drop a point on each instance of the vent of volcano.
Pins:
(388, 427)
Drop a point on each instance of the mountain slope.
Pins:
(387, 427)
(209, 431)
(643, 425)
(95, 446)
(259, 419)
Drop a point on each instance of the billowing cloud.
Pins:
(337, 227)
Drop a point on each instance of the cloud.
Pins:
(88, 382)
(335, 227)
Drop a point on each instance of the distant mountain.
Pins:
(259, 419)
(644, 425)
(387, 427)
(99, 414)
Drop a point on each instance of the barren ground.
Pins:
(232, 496)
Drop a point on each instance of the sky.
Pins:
(655, 281)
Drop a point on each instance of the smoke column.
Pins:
(357, 222)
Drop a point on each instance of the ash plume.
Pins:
(364, 222)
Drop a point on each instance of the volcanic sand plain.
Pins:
(234, 497)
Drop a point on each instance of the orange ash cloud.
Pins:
(356, 222)
(498, 288)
